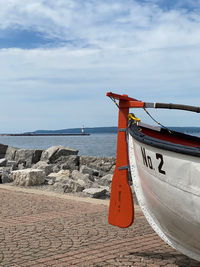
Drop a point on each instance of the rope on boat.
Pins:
(113, 99)
(156, 120)
(132, 117)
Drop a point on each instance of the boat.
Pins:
(165, 172)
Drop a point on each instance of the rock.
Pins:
(3, 149)
(86, 178)
(21, 165)
(95, 185)
(103, 164)
(5, 177)
(74, 186)
(27, 156)
(68, 162)
(89, 177)
(50, 182)
(12, 164)
(112, 169)
(108, 190)
(2, 169)
(56, 168)
(77, 175)
(59, 187)
(28, 177)
(3, 162)
(82, 183)
(64, 151)
(53, 153)
(42, 165)
(47, 155)
(78, 187)
(36, 155)
(105, 180)
(60, 176)
(95, 192)
(10, 153)
(87, 170)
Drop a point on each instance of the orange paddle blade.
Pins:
(121, 209)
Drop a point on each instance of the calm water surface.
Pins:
(92, 145)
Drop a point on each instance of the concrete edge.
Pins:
(27, 190)
(54, 194)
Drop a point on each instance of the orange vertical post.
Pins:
(121, 209)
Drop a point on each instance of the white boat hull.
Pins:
(167, 185)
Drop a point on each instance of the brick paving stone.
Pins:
(43, 231)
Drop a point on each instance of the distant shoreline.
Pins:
(47, 134)
(89, 131)
(66, 132)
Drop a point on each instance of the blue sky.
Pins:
(59, 58)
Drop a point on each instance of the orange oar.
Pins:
(121, 209)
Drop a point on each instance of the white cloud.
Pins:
(102, 23)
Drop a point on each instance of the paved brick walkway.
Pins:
(40, 230)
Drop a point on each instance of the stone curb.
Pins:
(53, 194)
(62, 196)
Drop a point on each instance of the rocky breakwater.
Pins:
(58, 168)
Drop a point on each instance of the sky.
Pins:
(59, 58)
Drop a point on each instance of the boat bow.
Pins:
(165, 170)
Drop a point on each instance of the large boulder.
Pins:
(68, 162)
(86, 178)
(42, 165)
(59, 187)
(77, 175)
(12, 164)
(3, 149)
(103, 164)
(56, 168)
(105, 180)
(74, 186)
(53, 153)
(10, 153)
(60, 176)
(95, 192)
(27, 157)
(3, 162)
(87, 170)
(28, 177)
(5, 176)
(69, 186)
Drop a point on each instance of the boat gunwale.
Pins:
(134, 131)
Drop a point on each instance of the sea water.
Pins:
(103, 145)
